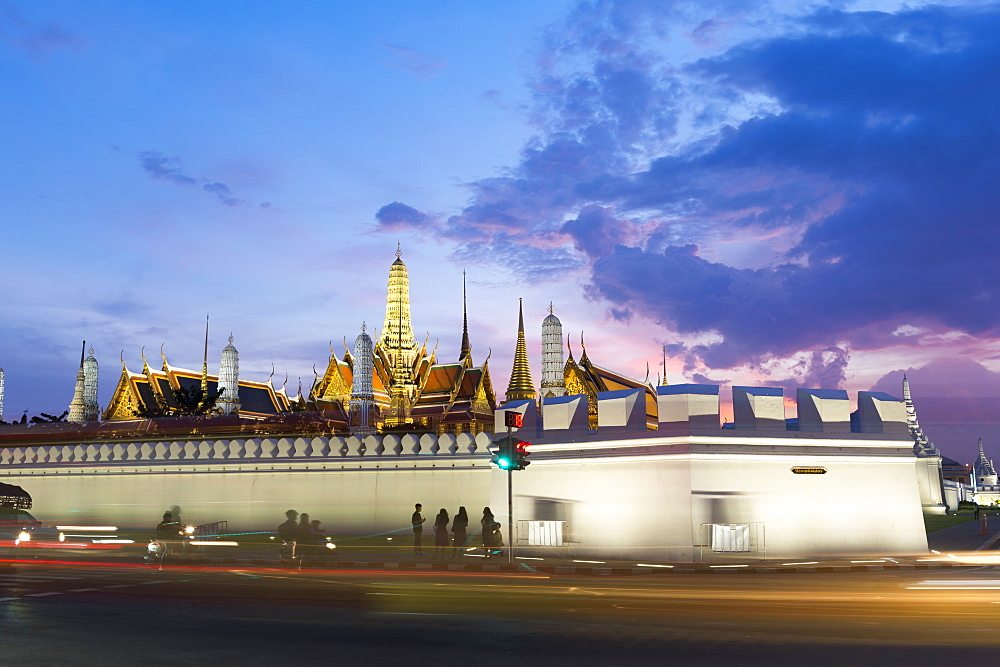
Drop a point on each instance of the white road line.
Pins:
(161, 581)
(82, 590)
(121, 586)
(7, 599)
(41, 595)
(36, 576)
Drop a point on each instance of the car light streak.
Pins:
(528, 558)
(589, 561)
(993, 559)
(652, 565)
(953, 585)
(868, 561)
(811, 562)
(100, 529)
(113, 541)
(200, 543)
(729, 566)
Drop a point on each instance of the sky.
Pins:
(779, 193)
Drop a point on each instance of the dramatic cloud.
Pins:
(38, 39)
(171, 169)
(398, 215)
(807, 184)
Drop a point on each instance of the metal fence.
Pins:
(733, 538)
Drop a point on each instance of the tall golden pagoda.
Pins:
(412, 389)
(520, 387)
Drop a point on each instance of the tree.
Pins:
(46, 418)
(188, 403)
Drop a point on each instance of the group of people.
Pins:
(302, 531)
(491, 535)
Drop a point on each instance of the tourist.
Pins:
(458, 529)
(417, 522)
(441, 534)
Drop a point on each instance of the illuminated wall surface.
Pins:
(849, 485)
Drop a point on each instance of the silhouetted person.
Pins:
(169, 528)
(316, 534)
(303, 528)
(491, 532)
(288, 532)
(459, 529)
(417, 522)
(441, 534)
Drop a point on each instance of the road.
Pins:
(54, 613)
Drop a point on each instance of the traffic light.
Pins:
(521, 455)
(504, 456)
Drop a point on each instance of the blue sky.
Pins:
(782, 193)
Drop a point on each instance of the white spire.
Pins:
(362, 410)
(77, 409)
(229, 379)
(553, 381)
(921, 445)
(90, 408)
(985, 473)
(1, 393)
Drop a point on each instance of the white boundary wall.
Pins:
(352, 486)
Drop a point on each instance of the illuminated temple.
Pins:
(410, 388)
(403, 385)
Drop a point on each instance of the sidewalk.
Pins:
(966, 536)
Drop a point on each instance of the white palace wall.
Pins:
(251, 483)
(621, 492)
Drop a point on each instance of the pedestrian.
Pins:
(288, 532)
(417, 522)
(441, 534)
(491, 533)
(316, 534)
(303, 527)
(458, 529)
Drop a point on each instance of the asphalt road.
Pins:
(117, 614)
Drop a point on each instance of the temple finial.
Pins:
(552, 309)
(520, 387)
(399, 251)
(466, 350)
(204, 364)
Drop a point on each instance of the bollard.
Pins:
(982, 531)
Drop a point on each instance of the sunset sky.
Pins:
(782, 193)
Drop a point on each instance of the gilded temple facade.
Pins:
(411, 390)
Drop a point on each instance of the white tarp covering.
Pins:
(730, 537)
(545, 533)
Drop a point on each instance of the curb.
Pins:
(566, 570)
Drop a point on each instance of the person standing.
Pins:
(441, 534)
(491, 532)
(288, 533)
(417, 522)
(459, 528)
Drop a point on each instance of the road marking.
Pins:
(121, 586)
(81, 590)
(41, 595)
(160, 581)
(7, 599)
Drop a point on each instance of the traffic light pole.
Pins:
(510, 508)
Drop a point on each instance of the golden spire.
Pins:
(520, 387)
(204, 364)
(663, 382)
(466, 345)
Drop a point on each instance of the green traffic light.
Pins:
(503, 463)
